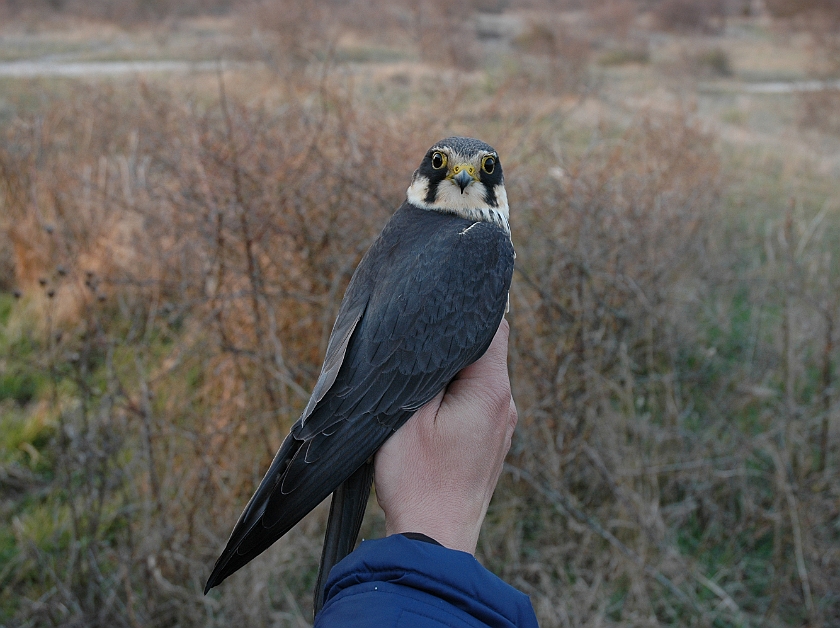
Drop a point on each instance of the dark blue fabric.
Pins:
(402, 582)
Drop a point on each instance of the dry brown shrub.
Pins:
(75, 223)
(615, 17)
(440, 39)
(219, 232)
(824, 28)
(229, 232)
(820, 20)
(122, 11)
(820, 110)
(688, 15)
(603, 249)
(293, 31)
(795, 8)
(636, 440)
(551, 58)
(308, 30)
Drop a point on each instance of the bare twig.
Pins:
(566, 508)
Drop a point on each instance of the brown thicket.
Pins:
(688, 15)
(820, 110)
(795, 8)
(181, 259)
(226, 237)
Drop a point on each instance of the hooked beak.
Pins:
(463, 179)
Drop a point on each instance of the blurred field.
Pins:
(174, 246)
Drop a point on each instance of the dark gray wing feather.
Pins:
(346, 513)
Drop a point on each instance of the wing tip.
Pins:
(218, 574)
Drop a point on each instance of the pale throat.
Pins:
(470, 204)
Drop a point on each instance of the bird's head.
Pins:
(463, 176)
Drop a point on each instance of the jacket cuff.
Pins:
(403, 572)
(419, 536)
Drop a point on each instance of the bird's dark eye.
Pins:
(438, 160)
(488, 164)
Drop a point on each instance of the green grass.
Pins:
(23, 438)
(7, 303)
(735, 116)
(615, 603)
(19, 386)
(370, 54)
(20, 379)
(716, 61)
(38, 500)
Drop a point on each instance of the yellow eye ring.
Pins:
(438, 160)
(488, 164)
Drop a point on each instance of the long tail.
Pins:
(346, 512)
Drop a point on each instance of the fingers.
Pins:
(513, 419)
(436, 475)
(485, 385)
(494, 359)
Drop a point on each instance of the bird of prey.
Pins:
(424, 302)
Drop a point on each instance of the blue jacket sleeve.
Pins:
(399, 582)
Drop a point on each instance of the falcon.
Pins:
(424, 302)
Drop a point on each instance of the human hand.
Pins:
(437, 473)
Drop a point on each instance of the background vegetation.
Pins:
(173, 249)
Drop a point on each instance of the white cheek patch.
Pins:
(449, 196)
(417, 192)
(501, 199)
(470, 203)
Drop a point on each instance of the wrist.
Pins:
(451, 532)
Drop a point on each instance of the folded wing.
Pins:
(425, 302)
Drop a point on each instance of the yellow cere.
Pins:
(457, 169)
